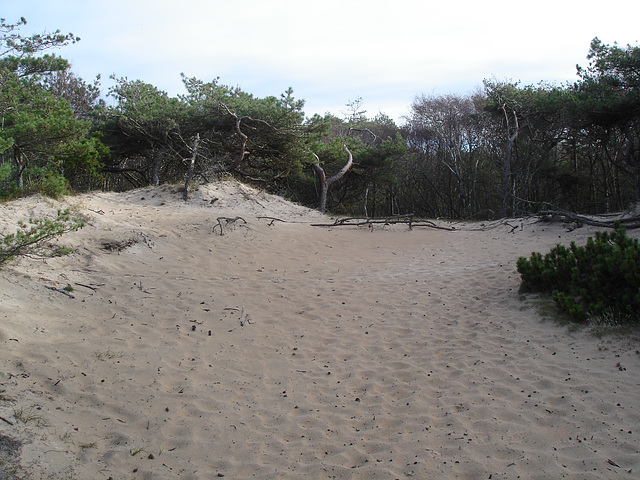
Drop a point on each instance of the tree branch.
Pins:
(244, 138)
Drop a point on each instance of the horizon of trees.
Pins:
(504, 150)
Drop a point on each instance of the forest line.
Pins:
(504, 150)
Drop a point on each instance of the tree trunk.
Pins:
(190, 169)
(323, 184)
(511, 134)
(21, 164)
(155, 168)
(326, 182)
(633, 161)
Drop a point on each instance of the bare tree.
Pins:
(445, 131)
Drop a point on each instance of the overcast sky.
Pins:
(332, 51)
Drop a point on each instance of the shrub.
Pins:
(54, 185)
(602, 277)
(8, 187)
(36, 179)
(31, 238)
(5, 171)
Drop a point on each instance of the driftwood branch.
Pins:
(552, 212)
(550, 215)
(245, 318)
(5, 420)
(89, 286)
(544, 215)
(390, 220)
(273, 220)
(227, 222)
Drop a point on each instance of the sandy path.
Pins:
(367, 354)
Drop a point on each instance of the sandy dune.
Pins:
(364, 353)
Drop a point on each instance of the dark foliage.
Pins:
(601, 278)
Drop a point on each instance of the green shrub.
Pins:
(8, 187)
(602, 277)
(36, 180)
(5, 171)
(31, 238)
(54, 185)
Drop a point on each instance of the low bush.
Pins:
(601, 278)
(31, 238)
(36, 180)
(53, 185)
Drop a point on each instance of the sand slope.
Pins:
(383, 353)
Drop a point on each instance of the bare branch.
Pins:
(244, 138)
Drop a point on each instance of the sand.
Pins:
(279, 349)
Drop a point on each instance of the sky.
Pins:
(332, 52)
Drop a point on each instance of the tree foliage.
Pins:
(260, 139)
(40, 135)
(608, 109)
(575, 146)
(504, 150)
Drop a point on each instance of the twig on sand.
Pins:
(59, 290)
(7, 421)
(89, 286)
(273, 219)
(228, 221)
(513, 227)
(244, 318)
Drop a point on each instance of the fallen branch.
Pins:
(59, 290)
(228, 221)
(273, 219)
(5, 420)
(391, 220)
(553, 212)
(628, 223)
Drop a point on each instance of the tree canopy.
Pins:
(504, 150)
(43, 143)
